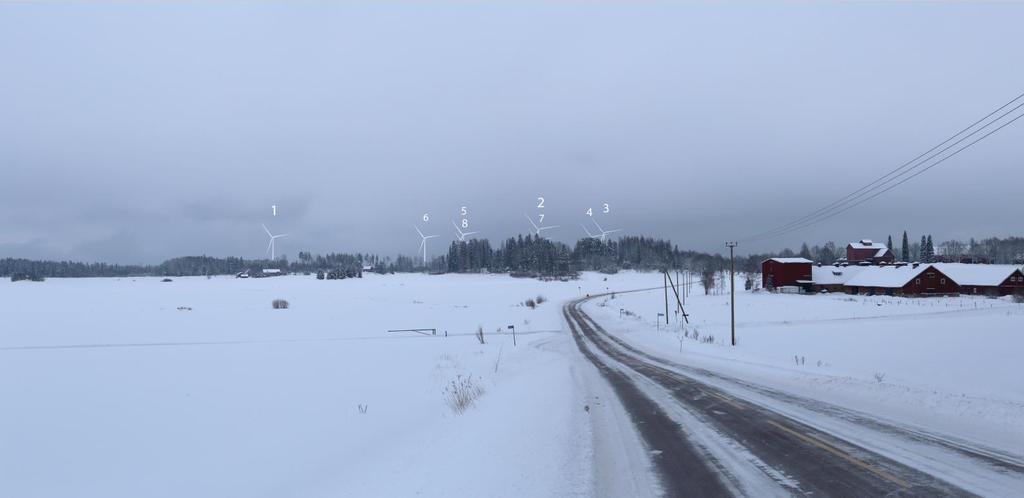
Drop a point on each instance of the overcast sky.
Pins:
(136, 132)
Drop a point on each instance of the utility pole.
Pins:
(666, 295)
(732, 287)
(677, 285)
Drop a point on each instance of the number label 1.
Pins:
(274, 209)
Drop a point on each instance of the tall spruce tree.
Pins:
(905, 251)
(805, 252)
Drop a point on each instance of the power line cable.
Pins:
(901, 182)
(884, 180)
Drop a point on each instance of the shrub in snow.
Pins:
(480, 334)
(530, 303)
(541, 299)
(166, 280)
(879, 377)
(279, 304)
(461, 393)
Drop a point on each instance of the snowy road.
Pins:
(709, 435)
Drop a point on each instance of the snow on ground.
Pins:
(110, 390)
(948, 364)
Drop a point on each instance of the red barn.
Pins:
(987, 280)
(780, 272)
(902, 280)
(869, 251)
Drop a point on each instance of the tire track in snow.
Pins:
(819, 463)
(679, 463)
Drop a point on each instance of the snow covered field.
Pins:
(947, 364)
(109, 390)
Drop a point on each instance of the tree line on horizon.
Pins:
(523, 255)
(993, 250)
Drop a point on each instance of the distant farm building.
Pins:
(987, 280)
(868, 251)
(901, 280)
(832, 278)
(785, 272)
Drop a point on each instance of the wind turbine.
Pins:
(536, 229)
(423, 243)
(604, 233)
(462, 235)
(270, 248)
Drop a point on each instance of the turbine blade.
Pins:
(598, 226)
(269, 246)
(418, 230)
(265, 229)
(531, 222)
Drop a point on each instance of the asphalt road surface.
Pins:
(671, 412)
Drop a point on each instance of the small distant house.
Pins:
(901, 280)
(987, 280)
(785, 272)
(868, 251)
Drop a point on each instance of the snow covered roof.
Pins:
(982, 275)
(832, 275)
(866, 244)
(879, 248)
(885, 276)
(789, 260)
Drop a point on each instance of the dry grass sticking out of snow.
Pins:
(462, 392)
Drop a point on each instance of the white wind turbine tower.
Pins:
(270, 248)
(536, 229)
(462, 235)
(604, 233)
(423, 243)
